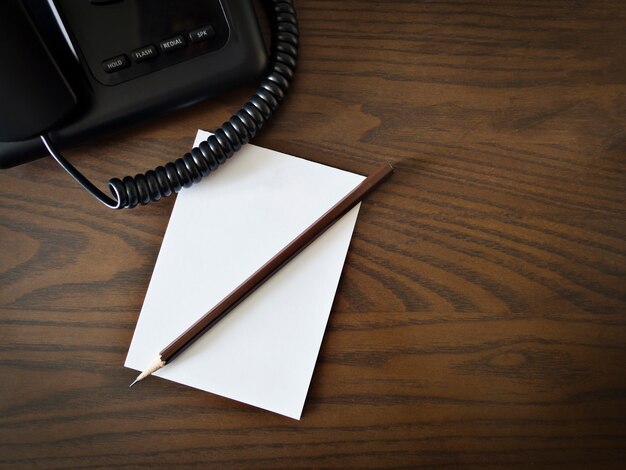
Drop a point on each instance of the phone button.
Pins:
(115, 63)
(202, 34)
(145, 53)
(172, 44)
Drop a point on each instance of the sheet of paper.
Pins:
(222, 230)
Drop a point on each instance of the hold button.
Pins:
(115, 63)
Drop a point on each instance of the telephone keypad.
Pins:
(151, 36)
(150, 52)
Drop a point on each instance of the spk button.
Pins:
(202, 34)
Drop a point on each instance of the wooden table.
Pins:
(481, 316)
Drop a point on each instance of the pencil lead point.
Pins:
(153, 367)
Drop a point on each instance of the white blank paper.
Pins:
(221, 231)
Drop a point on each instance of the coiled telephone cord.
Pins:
(237, 131)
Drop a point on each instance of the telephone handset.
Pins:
(72, 70)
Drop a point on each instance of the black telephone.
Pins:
(75, 69)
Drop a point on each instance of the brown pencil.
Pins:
(228, 303)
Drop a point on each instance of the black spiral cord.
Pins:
(237, 131)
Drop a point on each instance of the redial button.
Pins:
(172, 44)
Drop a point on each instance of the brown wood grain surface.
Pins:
(481, 316)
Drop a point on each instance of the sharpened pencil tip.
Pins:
(153, 367)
